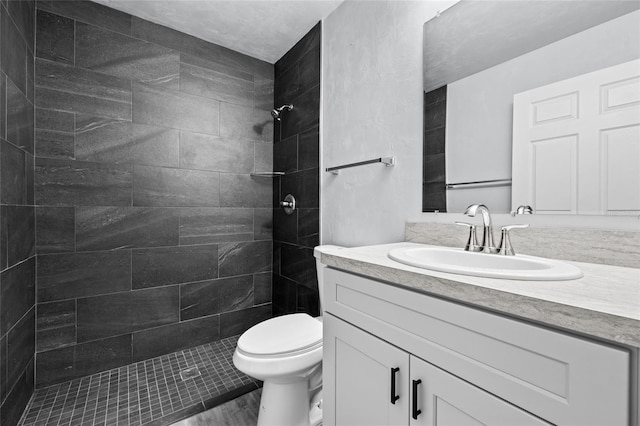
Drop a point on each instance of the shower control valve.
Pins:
(289, 204)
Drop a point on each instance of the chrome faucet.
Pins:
(486, 245)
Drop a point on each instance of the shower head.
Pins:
(277, 111)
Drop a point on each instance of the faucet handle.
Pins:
(472, 241)
(506, 248)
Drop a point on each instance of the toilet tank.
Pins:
(317, 252)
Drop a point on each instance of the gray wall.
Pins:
(152, 235)
(296, 152)
(480, 107)
(17, 213)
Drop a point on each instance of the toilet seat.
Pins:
(284, 336)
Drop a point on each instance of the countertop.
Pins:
(604, 304)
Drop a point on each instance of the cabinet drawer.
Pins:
(562, 378)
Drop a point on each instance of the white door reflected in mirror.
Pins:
(576, 144)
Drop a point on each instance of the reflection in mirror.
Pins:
(477, 56)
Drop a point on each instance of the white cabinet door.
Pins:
(576, 144)
(442, 399)
(365, 378)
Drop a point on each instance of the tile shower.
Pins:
(126, 158)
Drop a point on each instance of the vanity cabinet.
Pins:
(379, 384)
(461, 365)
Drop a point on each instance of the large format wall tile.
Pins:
(205, 152)
(17, 400)
(237, 322)
(73, 275)
(173, 265)
(3, 367)
(262, 224)
(285, 226)
(170, 338)
(283, 158)
(262, 288)
(67, 363)
(285, 294)
(298, 264)
(220, 83)
(55, 366)
(63, 87)
(120, 313)
(55, 229)
(22, 13)
(263, 154)
(19, 224)
(17, 211)
(200, 49)
(20, 118)
(305, 114)
(56, 325)
(308, 300)
(54, 134)
(215, 225)
(89, 12)
(212, 297)
(299, 78)
(13, 51)
(122, 56)
(17, 293)
(309, 149)
(308, 227)
(116, 141)
(130, 167)
(164, 187)
(170, 108)
(244, 258)
(80, 183)
(55, 40)
(74, 102)
(296, 151)
(53, 75)
(245, 191)
(59, 121)
(50, 144)
(305, 185)
(107, 228)
(245, 122)
(3, 106)
(13, 177)
(306, 44)
(20, 346)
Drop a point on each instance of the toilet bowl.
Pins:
(286, 353)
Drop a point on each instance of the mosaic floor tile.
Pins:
(147, 392)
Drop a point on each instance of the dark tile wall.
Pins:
(296, 152)
(152, 235)
(434, 196)
(17, 211)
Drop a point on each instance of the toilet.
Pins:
(286, 353)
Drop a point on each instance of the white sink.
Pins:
(458, 261)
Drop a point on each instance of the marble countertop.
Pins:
(605, 303)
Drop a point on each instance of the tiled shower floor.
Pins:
(150, 392)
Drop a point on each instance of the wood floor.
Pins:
(242, 411)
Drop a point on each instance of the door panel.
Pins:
(597, 173)
(358, 377)
(445, 400)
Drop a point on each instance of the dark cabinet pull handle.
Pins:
(414, 409)
(394, 397)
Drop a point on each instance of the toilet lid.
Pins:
(282, 335)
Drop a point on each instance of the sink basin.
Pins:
(458, 261)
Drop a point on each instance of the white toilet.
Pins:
(286, 353)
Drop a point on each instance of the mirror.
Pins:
(477, 55)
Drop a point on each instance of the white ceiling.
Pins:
(264, 29)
